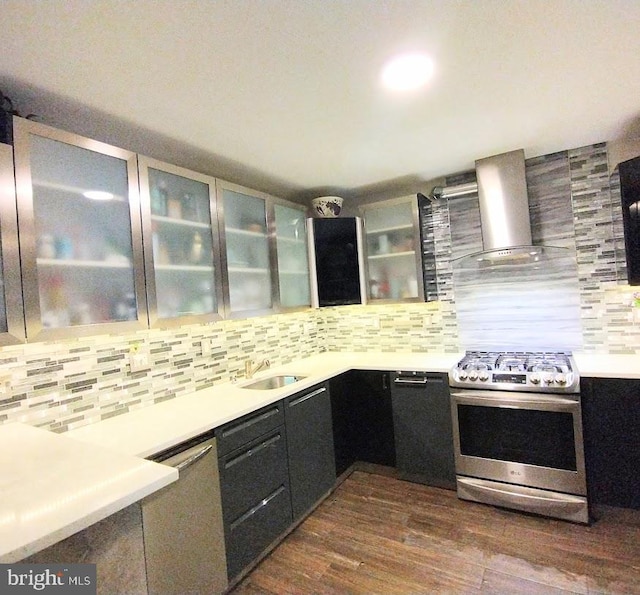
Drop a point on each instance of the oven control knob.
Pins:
(462, 375)
(535, 379)
(473, 375)
(547, 378)
(483, 376)
(561, 379)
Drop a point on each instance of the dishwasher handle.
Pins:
(404, 381)
(185, 459)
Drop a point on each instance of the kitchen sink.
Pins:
(272, 382)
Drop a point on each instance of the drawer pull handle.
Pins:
(248, 423)
(252, 451)
(256, 508)
(306, 397)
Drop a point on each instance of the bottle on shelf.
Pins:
(46, 246)
(197, 249)
(192, 209)
(174, 208)
(64, 248)
(159, 199)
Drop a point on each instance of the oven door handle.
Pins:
(514, 400)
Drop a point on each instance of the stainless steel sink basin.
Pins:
(272, 382)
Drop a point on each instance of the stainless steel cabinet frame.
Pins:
(118, 267)
(14, 332)
(256, 235)
(393, 252)
(193, 229)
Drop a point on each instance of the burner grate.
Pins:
(516, 361)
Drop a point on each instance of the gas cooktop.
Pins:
(517, 371)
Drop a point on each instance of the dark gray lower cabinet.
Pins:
(423, 429)
(362, 419)
(312, 471)
(611, 427)
(254, 484)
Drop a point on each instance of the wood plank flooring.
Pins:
(378, 534)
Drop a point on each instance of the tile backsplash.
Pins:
(573, 203)
(71, 383)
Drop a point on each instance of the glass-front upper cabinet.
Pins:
(264, 252)
(80, 234)
(247, 262)
(393, 250)
(182, 256)
(11, 313)
(293, 263)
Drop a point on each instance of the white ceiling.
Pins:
(290, 89)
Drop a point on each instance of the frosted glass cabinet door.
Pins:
(11, 313)
(181, 248)
(293, 264)
(393, 250)
(81, 242)
(247, 255)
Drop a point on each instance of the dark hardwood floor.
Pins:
(377, 534)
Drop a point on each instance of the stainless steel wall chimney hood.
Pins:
(504, 204)
(504, 213)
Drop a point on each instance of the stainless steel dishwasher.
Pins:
(182, 524)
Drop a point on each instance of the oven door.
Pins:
(528, 439)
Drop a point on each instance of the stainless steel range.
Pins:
(519, 371)
(517, 428)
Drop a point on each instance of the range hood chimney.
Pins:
(504, 204)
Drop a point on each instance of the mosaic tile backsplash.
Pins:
(573, 203)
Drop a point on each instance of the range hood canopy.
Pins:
(504, 213)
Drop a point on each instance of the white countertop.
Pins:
(152, 429)
(607, 366)
(54, 488)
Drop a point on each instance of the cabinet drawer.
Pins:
(251, 473)
(257, 528)
(240, 431)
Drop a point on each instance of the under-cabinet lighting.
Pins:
(98, 195)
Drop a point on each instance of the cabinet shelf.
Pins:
(391, 255)
(74, 191)
(295, 241)
(248, 270)
(87, 264)
(190, 268)
(180, 222)
(389, 229)
(292, 272)
(246, 232)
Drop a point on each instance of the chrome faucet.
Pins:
(250, 370)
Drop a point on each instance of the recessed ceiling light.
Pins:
(98, 195)
(407, 72)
